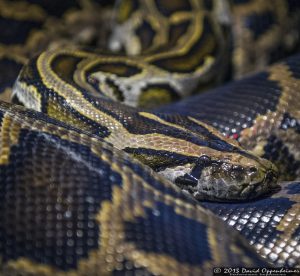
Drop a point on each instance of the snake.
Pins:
(94, 185)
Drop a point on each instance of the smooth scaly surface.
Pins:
(73, 205)
(261, 111)
(189, 153)
(271, 224)
(270, 28)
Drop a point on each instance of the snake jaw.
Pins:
(220, 191)
(224, 180)
(268, 184)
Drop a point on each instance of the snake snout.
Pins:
(271, 176)
(268, 184)
(263, 179)
(224, 180)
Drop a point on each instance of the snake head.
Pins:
(238, 176)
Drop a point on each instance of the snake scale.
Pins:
(93, 185)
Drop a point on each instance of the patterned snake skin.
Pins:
(77, 196)
(274, 95)
(264, 117)
(88, 209)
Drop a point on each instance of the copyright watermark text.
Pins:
(243, 271)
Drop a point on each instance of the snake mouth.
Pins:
(220, 190)
(267, 185)
(228, 182)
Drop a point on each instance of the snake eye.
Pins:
(203, 160)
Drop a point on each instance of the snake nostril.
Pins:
(270, 176)
(253, 170)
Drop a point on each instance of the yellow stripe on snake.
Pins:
(92, 186)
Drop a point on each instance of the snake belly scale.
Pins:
(93, 185)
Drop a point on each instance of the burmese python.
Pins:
(57, 219)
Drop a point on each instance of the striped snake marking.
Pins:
(264, 119)
(79, 227)
(89, 177)
(271, 224)
(207, 164)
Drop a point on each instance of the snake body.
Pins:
(100, 212)
(264, 118)
(74, 199)
(188, 152)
